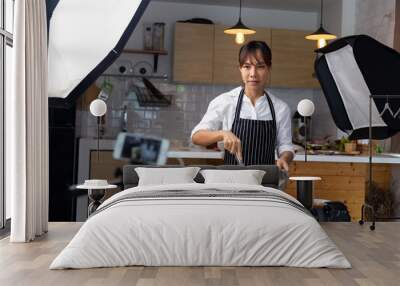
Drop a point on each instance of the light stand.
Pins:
(305, 139)
(98, 138)
(306, 109)
(98, 108)
(365, 205)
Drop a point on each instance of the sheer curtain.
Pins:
(27, 123)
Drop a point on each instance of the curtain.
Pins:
(27, 123)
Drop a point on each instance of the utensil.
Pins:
(240, 162)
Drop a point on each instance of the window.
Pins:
(6, 43)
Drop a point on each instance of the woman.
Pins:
(251, 123)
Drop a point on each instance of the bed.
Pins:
(198, 224)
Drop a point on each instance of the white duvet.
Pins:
(200, 231)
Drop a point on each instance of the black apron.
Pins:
(258, 137)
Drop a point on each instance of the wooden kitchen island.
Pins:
(344, 177)
(341, 181)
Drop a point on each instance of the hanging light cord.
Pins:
(322, 9)
(240, 9)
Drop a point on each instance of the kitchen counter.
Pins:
(381, 159)
(195, 153)
(207, 154)
(87, 144)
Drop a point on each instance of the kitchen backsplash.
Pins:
(189, 103)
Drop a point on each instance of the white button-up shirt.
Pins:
(221, 113)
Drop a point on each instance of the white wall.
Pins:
(332, 16)
(169, 13)
(349, 9)
(376, 19)
(370, 17)
(339, 17)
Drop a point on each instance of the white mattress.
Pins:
(199, 231)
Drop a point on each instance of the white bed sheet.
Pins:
(200, 231)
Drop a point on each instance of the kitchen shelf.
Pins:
(130, 51)
(135, 76)
(148, 52)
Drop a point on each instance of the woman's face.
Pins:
(255, 72)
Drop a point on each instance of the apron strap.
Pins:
(240, 101)
(239, 105)
(271, 107)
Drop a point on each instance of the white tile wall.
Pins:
(189, 103)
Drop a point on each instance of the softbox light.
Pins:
(85, 38)
(349, 71)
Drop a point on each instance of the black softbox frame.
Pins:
(89, 75)
(376, 71)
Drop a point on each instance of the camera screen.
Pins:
(145, 150)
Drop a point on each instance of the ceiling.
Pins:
(291, 5)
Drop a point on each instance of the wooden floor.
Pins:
(375, 257)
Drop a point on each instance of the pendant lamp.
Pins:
(239, 29)
(321, 35)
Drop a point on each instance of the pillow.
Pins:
(248, 177)
(166, 176)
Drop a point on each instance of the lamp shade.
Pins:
(321, 33)
(98, 107)
(239, 28)
(306, 107)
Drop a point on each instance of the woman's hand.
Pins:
(232, 144)
(284, 159)
(282, 164)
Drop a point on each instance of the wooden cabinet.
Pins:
(226, 51)
(345, 182)
(292, 59)
(193, 53)
(105, 168)
(204, 54)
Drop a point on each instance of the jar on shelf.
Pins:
(148, 36)
(158, 36)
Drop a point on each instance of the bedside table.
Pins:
(95, 194)
(304, 188)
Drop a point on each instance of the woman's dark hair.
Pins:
(251, 48)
